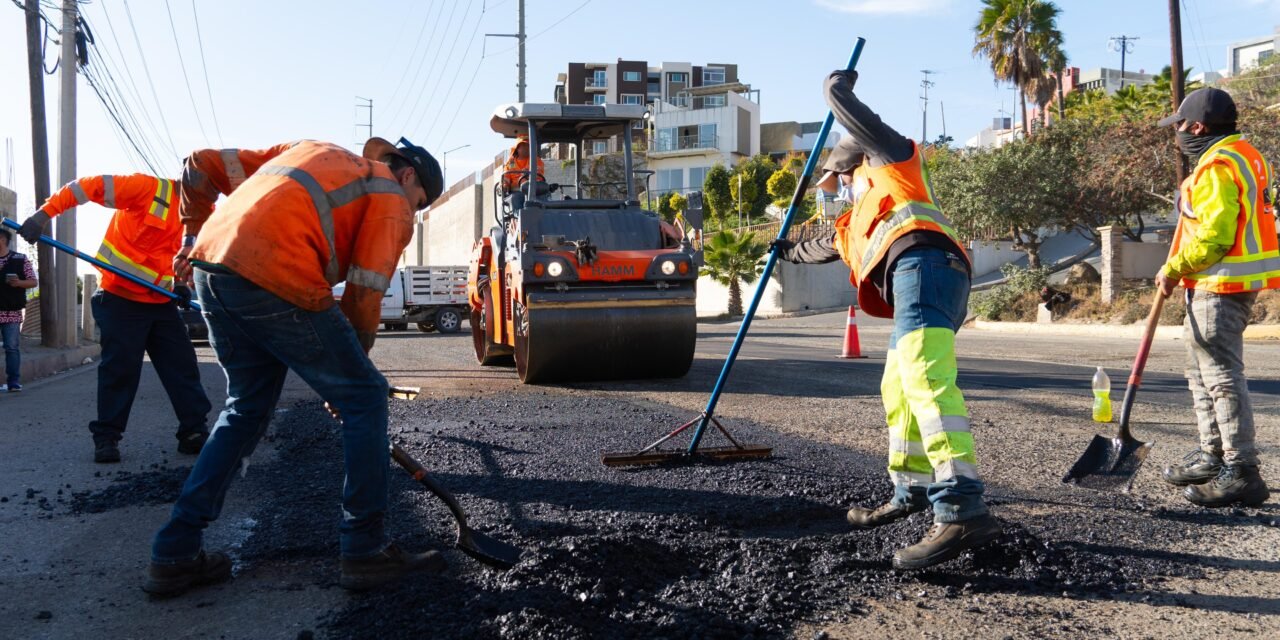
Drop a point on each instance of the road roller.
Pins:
(579, 282)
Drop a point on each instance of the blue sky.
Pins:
(288, 69)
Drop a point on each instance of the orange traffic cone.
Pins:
(852, 348)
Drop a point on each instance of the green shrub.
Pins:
(999, 302)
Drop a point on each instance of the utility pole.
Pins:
(65, 266)
(40, 164)
(368, 105)
(943, 107)
(1178, 83)
(1123, 44)
(519, 35)
(924, 106)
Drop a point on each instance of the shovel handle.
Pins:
(1139, 363)
(419, 473)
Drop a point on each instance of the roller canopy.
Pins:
(565, 123)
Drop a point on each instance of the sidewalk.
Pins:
(41, 362)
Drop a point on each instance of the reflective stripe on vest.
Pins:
(234, 169)
(368, 279)
(1256, 267)
(326, 201)
(160, 204)
(112, 256)
(78, 192)
(904, 214)
(1249, 198)
(108, 192)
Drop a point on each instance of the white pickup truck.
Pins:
(432, 297)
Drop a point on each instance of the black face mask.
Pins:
(1194, 146)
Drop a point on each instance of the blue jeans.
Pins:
(10, 335)
(258, 338)
(931, 293)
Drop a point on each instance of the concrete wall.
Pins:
(792, 288)
(8, 203)
(990, 256)
(1142, 259)
(453, 228)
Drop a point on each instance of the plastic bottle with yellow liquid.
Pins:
(1101, 396)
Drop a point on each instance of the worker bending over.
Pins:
(1224, 252)
(264, 266)
(906, 264)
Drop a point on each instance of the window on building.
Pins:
(713, 101)
(600, 78)
(667, 139)
(697, 176)
(631, 76)
(637, 124)
(706, 136)
(670, 180)
(599, 146)
(632, 98)
(599, 98)
(677, 77)
(713, 75)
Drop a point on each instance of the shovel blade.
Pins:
(490, 551)
(1108, 463)
(744, 452)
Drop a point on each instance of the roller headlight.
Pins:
(511, 112)
(555, 269)
(668, 267)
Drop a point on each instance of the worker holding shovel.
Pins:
(906, 264)
(1224, 252)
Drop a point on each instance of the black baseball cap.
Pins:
(844, 157)
(424, 164)
(1208, 105)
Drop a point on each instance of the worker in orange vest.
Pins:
(1224, 252)
(264, 267)
(907, 265)
(513, 171)
(141, 239)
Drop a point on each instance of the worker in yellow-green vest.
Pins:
(1224, 252)
(907, 265)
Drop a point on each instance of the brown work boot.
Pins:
(392, 563)
(946, 540)
(863, 518)
(106, 452)
(1235, 484)
(1198, 467)
(165, 580)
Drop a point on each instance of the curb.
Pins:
(724, 319)
(1166, 332)
(51, 361)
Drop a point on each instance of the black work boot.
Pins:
(946, 540)
(104, 452)
(191, 443)
(863, 518)
(386, 566)
(164, 580)
(1235, 484)
(1198, 467)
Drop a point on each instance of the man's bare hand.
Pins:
(1165, 284)
(182, 266)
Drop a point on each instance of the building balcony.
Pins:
(599, 85)
(685, 145)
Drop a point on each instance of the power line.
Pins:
(147, 70)
(550, 27)
(456, 72)
(94, 75)
(205, 70)
(434, 56)
(1198, 28)
(416, 43)
(128, 72)
(185, 78)
(109, 72)
(453, 46)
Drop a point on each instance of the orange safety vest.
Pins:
(311, 217)
(889, 202)
(1253, 263)
(143, 235)
(512, 180)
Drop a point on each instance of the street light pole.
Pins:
(444, 163)
(739, 201)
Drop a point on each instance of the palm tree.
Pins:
(1021, 40)
(732, 259)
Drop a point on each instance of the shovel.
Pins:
(1111, 463)
(489, 551)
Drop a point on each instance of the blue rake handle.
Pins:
(796, 198)
(102, 265)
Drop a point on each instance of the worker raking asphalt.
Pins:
(749, 549)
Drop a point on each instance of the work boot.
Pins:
(1198, 467)
(863, 518)
(1235, 484)
(165, 580)
(104, 452)
(392, 563)
(191, 443)
(946, 540)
